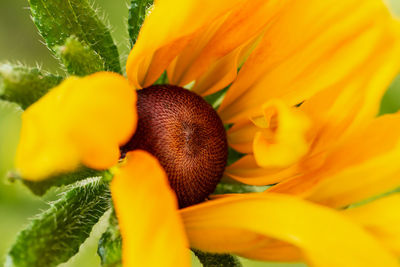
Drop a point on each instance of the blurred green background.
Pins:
(19, 41)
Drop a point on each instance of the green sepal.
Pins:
(110, 244)
(137, 13)
(58, 20)
(217, 260)
(56, 235)
(23, 85)
(41, 187)
(78, 58)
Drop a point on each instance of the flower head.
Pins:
(302, 110)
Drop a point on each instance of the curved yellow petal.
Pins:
(223, 45)
(147, 211)
(361, 166)
(313, 46)
(241, 135)
(167, 30)
(281, 139)
(247, 171)
(382, 219)
(243, 224)
(337, 113)
(81, 121)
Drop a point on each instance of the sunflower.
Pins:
(301, 110)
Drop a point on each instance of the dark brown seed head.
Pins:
(186, 135)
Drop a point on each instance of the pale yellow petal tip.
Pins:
(81, 121)
(281, 140)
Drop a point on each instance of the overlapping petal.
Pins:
(192, 44)
(147, 211)
(170, 26)
(253, 225)
(381, 218)
(363, 165)
(247, 171)
(281, 138)
(303, 52)
(81, 121)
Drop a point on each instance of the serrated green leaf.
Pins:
(79, 59)
(217, 260)
(110, 245)
(56, 234)
(58, 20)
(137, 13)
(41, 187)
(23, 85)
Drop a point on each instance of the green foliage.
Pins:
(59, 20)
(224, 188)
(137, 13)
(41, 187)
(390, 101)
(79, 59)
(23, 85)
(234, 156)
(215, 99)
(216, 260)
(56, 234)
(110, 245)
(163, 79)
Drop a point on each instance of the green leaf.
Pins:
(58, 20)
(41, 187)
(23, 85)
(110, 245)
(56, 234)
(79, 59)
(137, 13)
(217, 260)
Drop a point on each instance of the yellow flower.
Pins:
(302, 108)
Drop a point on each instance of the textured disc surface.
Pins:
(186, 135)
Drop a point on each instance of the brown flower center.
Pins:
(186, 135)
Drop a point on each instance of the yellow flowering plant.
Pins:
(241, 127)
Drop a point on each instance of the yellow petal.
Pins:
(81, 121)
(283, 142)
(147, 211)
(382, 219)
(363, 165)
(311, 47)
(243, 224)
(223, 44)
(241, 135)
(170, 26)
(337, 113)
(247, 171)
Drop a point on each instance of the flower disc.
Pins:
(186, 135)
